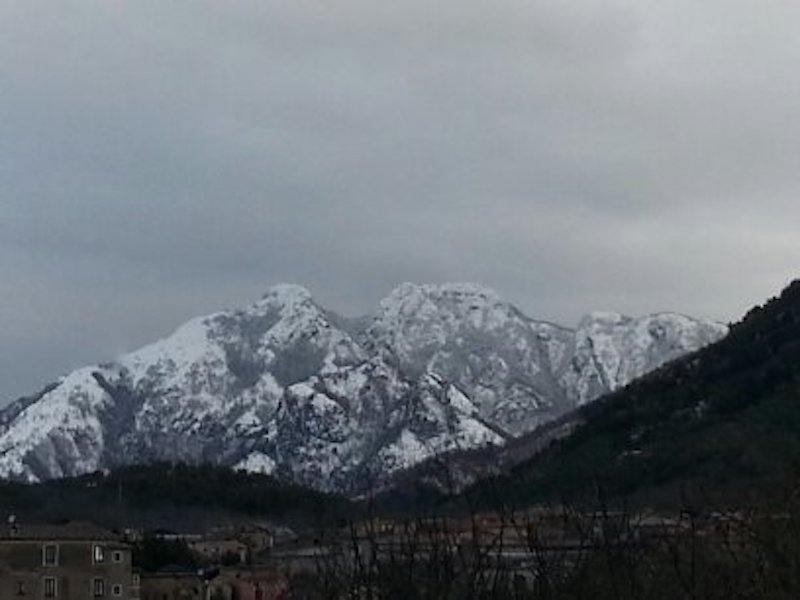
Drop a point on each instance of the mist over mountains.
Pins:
(289, 388)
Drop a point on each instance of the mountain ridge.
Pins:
(287, 387)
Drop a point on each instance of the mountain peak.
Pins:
(287, 294)
(609, 317)
(453, 288)
(411, 297)
(282, 385)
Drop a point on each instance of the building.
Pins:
(231, 545)
(220, 549)
(230, 583)
(258, 539)
(173, 583)
(249, 583)
(74, 561)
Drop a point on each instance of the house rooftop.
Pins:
(72, 531)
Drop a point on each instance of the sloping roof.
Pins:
(77, 531)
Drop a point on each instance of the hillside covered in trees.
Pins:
(718, 423)
(174, 496)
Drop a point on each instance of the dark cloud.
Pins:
(160, 160)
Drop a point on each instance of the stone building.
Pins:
(74, 561)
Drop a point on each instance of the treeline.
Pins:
(152, 553)
(171, 495)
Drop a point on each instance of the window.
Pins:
(116, 590)
(50, 585)
(50, 555)
(98, 554)
(117, 556)
(98, 587)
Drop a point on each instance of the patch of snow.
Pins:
(63, 429)
(257, 463)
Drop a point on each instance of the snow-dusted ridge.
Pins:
(288, 388)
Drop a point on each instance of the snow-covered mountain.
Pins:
(287, 387)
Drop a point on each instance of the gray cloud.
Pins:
(160, 160)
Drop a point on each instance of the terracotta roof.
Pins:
(76, 531)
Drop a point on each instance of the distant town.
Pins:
(265, 561)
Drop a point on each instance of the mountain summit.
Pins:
(289, 388)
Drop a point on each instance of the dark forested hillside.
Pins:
(174, 496)
(721, 422)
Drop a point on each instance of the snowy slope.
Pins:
(505, 362)
(289, 388)
(611, 350)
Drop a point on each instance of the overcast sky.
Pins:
(160, 160)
